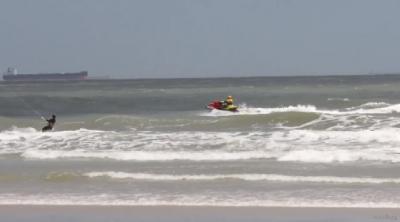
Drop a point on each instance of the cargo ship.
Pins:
(12, 75)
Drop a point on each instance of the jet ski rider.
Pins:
(228, 102)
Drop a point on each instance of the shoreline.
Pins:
(44, 213)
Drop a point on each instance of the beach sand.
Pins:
(194, 214)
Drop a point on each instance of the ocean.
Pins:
(328, 141)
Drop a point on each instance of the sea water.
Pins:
(296, 141)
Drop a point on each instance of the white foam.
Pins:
(338, 146)
(244, 110)
(152, 199)
(300, 145)
(131, 145)
(146, 156)
(375, 104)
(246, 177)
(367, 108)
(339, 99)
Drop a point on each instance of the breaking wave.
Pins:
(248, 118)
(367, 108)
(298, 145)
(245, 177)
(221, 200)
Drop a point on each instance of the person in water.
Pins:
(50, 123)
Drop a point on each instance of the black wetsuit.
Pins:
(50, 124)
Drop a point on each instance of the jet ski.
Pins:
(219, 105)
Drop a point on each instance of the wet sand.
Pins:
(176, 214)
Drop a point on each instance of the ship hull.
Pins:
(47, 77)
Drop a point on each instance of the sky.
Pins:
(200, 38)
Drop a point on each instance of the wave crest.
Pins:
(245, 177)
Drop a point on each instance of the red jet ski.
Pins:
(219, 105)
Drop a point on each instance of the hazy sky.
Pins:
(200, 38)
